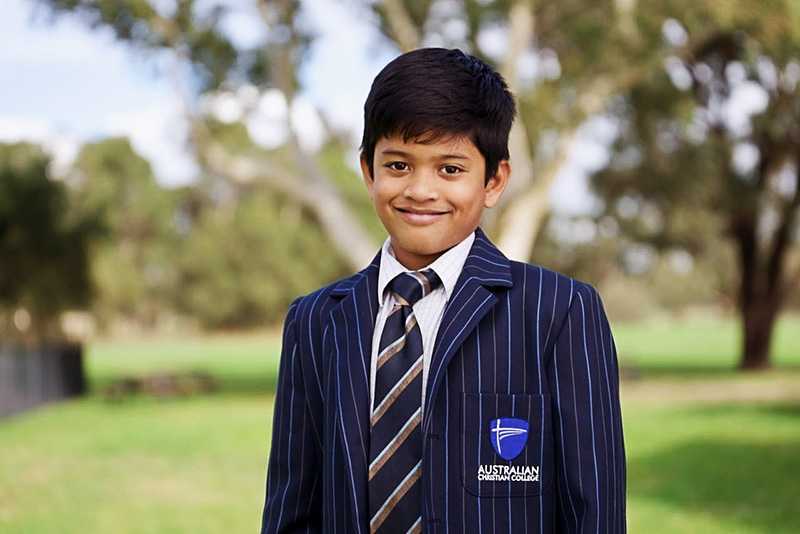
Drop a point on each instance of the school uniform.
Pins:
(521, 429)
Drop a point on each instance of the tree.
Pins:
(586, 51)
(133, 264)
(241, 261)
(686, 164)
(192, 34)
(44, 246)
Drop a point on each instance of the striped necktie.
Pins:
(395, 451)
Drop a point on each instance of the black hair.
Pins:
(433, 93)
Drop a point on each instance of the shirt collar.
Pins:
(447, 266)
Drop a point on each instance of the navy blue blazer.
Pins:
(516, 341)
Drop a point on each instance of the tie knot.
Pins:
(409, 287)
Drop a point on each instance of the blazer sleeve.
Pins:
(293, 501)
(590, 452)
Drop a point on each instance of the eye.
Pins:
(452, 169)
(391, 165)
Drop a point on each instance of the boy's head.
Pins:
(436, 126)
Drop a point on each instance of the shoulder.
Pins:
(310, 309)
(555, 298)
(537, 281)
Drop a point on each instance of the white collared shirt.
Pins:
(428, 310)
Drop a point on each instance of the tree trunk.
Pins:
(758, 321)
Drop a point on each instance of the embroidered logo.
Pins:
(508, 473)
(508, 436)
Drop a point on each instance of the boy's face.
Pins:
(445, 180)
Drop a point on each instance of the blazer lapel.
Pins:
(470, 301)
(352, 326)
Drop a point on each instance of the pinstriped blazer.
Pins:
(516, 340)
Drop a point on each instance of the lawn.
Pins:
(708, 450)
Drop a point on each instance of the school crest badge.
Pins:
(508, 436)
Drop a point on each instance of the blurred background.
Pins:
(170, 171)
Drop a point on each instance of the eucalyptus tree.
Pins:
(709, 148)
(205, 62)
(565, 60)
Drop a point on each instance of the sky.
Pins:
(64, 84)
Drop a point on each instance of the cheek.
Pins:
(467, 198)
(384, 192)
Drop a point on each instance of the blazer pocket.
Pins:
(506, 444)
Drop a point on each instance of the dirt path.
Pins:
(767, 388)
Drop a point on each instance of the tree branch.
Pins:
(781, 240)
(337, 219)
(521, 28)
(405, 32)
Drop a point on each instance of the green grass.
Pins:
(198, 464)
(144, 466)
(713, 469)
(243, 363)
(704, 346)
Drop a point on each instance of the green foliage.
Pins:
(133, 268)
(673, 181)
(44, 245)
(244, 260)
(225, 256)
(661, 155)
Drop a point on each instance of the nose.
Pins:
(421, 186)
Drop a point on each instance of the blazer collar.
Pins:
(485, 262)
(447, 266)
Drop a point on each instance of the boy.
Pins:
(445, 388)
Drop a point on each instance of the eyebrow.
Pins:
(395, 152)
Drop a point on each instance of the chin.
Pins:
(422, 246)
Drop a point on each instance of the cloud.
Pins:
(158, 133)
(64, 84)
(30, 39)
(23, 128)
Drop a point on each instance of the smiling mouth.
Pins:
(422, 212)
(416, 218)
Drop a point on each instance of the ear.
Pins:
(497, 183)
(365, 175)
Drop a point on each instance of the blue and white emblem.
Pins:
(508, 436)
